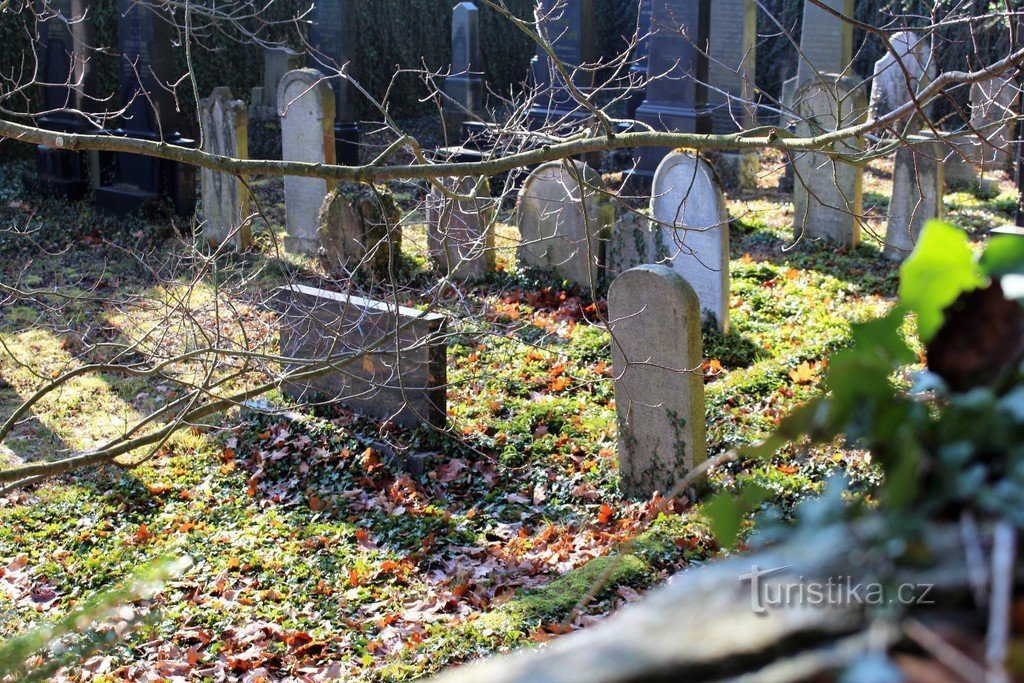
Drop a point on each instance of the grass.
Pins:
(316, 548)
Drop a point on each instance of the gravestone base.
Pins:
(736, 170)
(60, 172)
(135, 180)
(346, 143)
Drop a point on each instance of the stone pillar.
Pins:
(225, 199)
(917, 187)
(305, 103)
(465, 87)
(654, 319)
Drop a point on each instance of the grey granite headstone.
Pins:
(226, 200)
(994, 108)
(465, 86)
(959, 154)
(917, 187)
(677, 68)
(827, 193)
(569, 27)
(655, 322)
(691, 230)
(638, 69)
(386, 361)
(630, 244)
(563, 219)
(359, 229)
(826, 45)
(896, 81)
(305, 104)
(331, 38)
(460, 234)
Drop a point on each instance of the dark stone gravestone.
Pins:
(638, 69)
(331, 38)
(130, 181)
(677, 97)
(465, 87)
(65, 34)
(387, 361)
(568, 25)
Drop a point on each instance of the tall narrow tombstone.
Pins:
(384, 360)
(994, 107)
(917, 187)
(568, 26)
(732, 55)
(465, 87)
(147, 74)
(460, 233)
(66, 34)
(899, 76)
(827, 193)
(638, 69)
(563, 219)
(277, 61)
(691, 230)
(826, 45)
(654, 319)
(226, 201)
(331, 37)
(305, 103)
(677, 68)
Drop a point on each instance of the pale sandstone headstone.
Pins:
(226, 201)
(994, 107)
(563, 219)
(358, 229)
(654, 319)
(827, 193)
(958, 166)
(826, 46)
(460, 233)
(691, 230)
(917, 186)
(896, 81)
(305, 103)
(400, 377)
(277, 61)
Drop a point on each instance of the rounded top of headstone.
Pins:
(309, 79)
(557, 169)
(689, 163)
(652, 276)
(903, 42)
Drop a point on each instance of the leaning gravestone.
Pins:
(358, 229)
(691, 230)
(826, 45)
(994, 107)
(563, 219)
(654, 319)
(917, 187)
(305, 104)
(460, 233)
(146, 74)
(677, 67)
(332, 39)
(66, 34)
(827, 193)
(569, 27)
(465, 87)
(225, 198)
(386, 361)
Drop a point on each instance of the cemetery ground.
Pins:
(328, 545)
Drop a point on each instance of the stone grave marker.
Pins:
(331, 38)
(569, 26)
(655, 321)
(465, 87)
(563, 221)
(827, 194)
(826, 46)
(386, 361)
(896, 82)
(359, 229)
(994, 106)
(305, 104)
(732, 54)
(277, 61)
(460, 234)
(226, 201)
(638, 69)
(691, 230)
(917, 187)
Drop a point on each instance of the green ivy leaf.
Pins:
(725, 512)
(1003, 255)
(941, 268)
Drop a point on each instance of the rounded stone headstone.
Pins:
(358, 230)
(654, 319)
(460, 234)
(226, 201)
(563, 216)
(896, 81)
(691, 230)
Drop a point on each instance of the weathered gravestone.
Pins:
(226, 200)
(563, 219)
(359, 229)
(66, 33)
(826, 46)
(277, 61)
(917, 187)
(465, 87)
(147, 74)
(691, 230)
(654, 319)
(332, 39)
(677, 67)
(638, 69)
(994, 107)
(828, 193)
(569, 27)
(899, 77)
(460, 233)
(305, 104)
(383, 360)
(958, 166)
